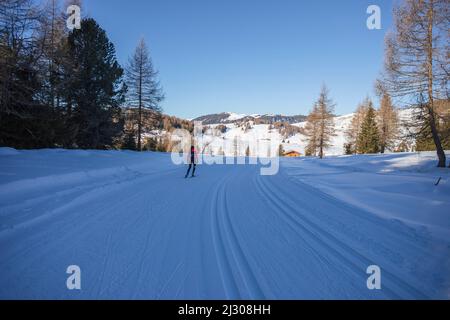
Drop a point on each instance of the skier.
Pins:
(192, 162)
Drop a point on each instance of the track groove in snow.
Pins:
(331, 244)
(247, 274)
(228, 279)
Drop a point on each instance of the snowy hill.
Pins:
(257, 129)
(138, 230)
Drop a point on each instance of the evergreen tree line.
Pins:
(62, 88)
(416, 75)
(373, 131)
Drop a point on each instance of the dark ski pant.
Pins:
(189, 169)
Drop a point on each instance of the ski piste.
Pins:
(137, 233)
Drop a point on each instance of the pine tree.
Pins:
(129, 141)
(95, 88)
(348, 149)
(353, 131)
(144, 88)
(368, 140)
(424, 138)
(151, 144)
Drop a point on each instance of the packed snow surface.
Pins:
(138, 230)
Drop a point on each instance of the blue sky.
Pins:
(246, 56)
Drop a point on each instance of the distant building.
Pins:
(292, 154)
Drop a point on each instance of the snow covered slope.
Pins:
(245, 128)
(341, 124)
(138, 230)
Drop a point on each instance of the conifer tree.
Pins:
(95, 88)
(417, 54)
(368, 140)
(387, 122)
(319, 128)
(311, 132)
(280, 151)
(353, 131)
(144, 88)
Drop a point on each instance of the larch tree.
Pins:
(417, 59)
(144, 90)
(324, 116)
(311, 131)
(24, 121)
(387, 118)
(52, 40)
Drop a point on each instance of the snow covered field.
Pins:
(139, 230)
(260, 133)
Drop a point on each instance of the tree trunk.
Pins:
(430, 107)
(139, 127)
(436, 139)
(140, 110)
(383, 136)
(321, 149)
(321, 133)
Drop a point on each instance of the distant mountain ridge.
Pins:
(229, 117)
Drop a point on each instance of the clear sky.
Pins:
(249, 56)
